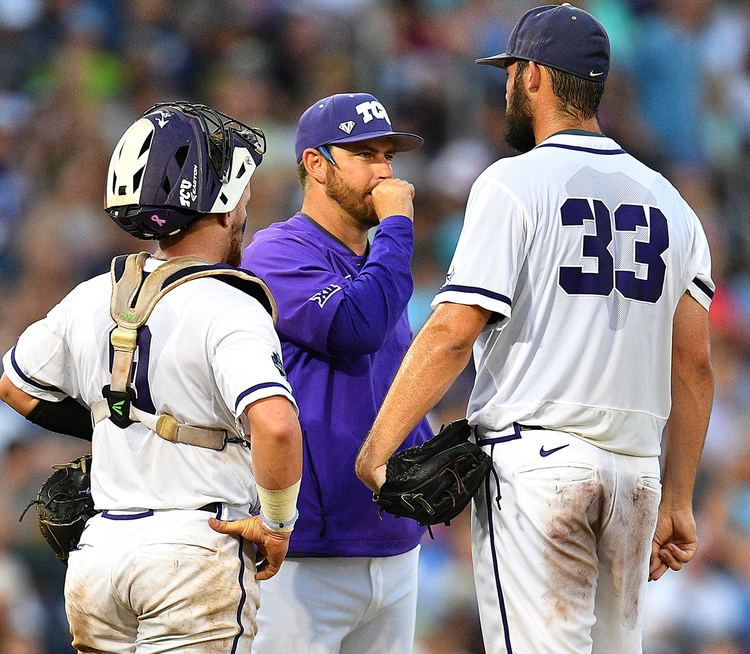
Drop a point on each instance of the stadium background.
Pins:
(75, 73)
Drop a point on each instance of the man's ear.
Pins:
(225, 219)
(533, 77)
(315, 164)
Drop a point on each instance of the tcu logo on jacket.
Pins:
(372, 109)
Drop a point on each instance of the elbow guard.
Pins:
(66, 417)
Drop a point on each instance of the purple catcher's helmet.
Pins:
(179, 162)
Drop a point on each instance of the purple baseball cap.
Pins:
(348, 118)
(559, 36)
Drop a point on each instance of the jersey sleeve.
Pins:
(700, 285)
(40, 363)
(375, 300)
(246, 357)
(491, 250)
(329, 313)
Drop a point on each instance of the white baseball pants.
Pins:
(341, 605)
(562, 566)
(164, 582)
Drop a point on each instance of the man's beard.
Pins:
(520, 135)
(349, 200)
(234, 249)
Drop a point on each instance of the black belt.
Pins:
(514, 435)
(211, 507)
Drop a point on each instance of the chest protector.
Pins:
(134, 296)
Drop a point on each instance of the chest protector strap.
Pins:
(134, 296)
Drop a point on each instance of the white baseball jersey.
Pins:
(206, 352)
(583, 253)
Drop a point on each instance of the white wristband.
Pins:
(275, 525)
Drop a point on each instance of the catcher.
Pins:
(174, 359)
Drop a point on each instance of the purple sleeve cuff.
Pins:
(401, 218)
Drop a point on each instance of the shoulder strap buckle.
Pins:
(119, 405)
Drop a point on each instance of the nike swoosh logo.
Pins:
(593, 74)
(543, 452)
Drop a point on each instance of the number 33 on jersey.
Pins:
(646, 250)
(608, 244)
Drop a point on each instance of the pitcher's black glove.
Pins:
(64, 505)
(433, 482)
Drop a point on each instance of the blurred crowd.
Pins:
(75, 73)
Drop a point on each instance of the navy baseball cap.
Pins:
(348, 118)
(559, 36)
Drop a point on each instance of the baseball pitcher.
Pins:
(581, 281)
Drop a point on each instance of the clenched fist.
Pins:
(393, 197)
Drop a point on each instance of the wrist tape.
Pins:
(278, 508)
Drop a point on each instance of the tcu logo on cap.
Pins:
(372, 109)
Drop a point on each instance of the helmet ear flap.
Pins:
(152, 222)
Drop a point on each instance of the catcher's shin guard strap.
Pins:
(278, 508)
(168, 428)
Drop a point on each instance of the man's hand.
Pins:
(675, 542)
(272, 545)
(373, 478)
(393, 197)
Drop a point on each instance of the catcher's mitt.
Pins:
(433, 482)
(64, 505)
